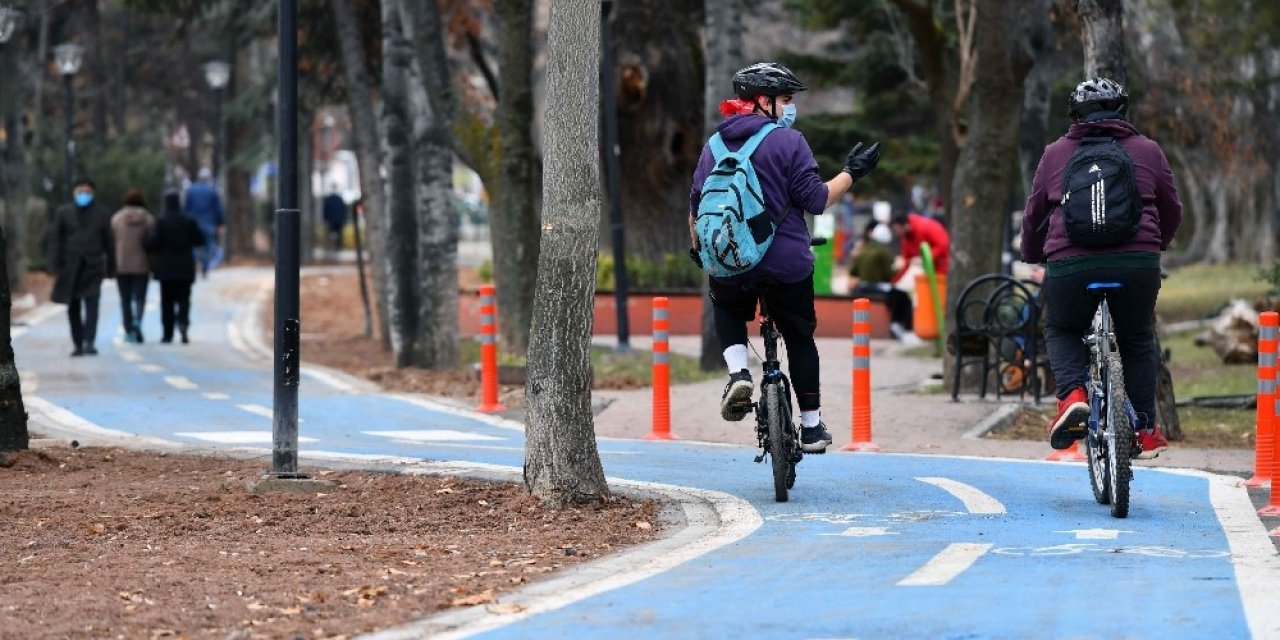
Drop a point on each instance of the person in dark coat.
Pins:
(172, 243)
(334, 210)
(81, 254)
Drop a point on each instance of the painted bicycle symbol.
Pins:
(1083, 547)
(847, 518)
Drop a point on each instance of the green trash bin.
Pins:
(823, 262)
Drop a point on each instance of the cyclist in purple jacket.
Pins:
(1097, 108)
(791, 187)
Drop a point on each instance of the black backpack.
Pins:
(1100, 200)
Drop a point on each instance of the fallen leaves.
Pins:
(484, 597)
(366, 595)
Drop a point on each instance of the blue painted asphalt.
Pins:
(795, 576)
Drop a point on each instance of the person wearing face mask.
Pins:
(790, 186)
(81, 254)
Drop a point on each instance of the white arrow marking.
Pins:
(151, 368)
(1096, 534)
(180, 382)
(130, 356)
(974, 500)
(863, 532)
(945, 566)
(217, 396)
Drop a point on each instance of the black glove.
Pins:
(860, 163)
(695, 257)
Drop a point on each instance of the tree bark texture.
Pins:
(659, 120)
(401, 231)
(14, 168)
(1037, 96)
(722, 44)
(562, 464)
(985, 173)
(13, 415)
(514, 217)
(1102, 23)
(365, 135)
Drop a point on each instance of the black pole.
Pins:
(217, 136)
(284, 437)
(609, 102)
(69, 152)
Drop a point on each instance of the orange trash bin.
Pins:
(923, 318)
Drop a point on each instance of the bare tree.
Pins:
(562, 465)
(1103, 35)
(13, 416)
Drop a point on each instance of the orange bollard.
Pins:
(861, 440)
(1269, 320)
(1265, 442)
(661, 372)
(488, 352)
(1070, 454)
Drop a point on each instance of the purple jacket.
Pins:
(790, 184)
(1161, 209)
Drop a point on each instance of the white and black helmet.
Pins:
(765, 78)
(1097, 94)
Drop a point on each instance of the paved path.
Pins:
(871, 546)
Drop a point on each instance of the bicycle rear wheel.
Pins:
(780, 441)
(1120, 439)
(1096, 453)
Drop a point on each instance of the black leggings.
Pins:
(175, 306)
(1071, 308)
(791, 305)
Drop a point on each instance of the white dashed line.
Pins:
(130, 356)
(216, 396)
(151, 368)
(180, 382)
(236, 437)
(945, 566)
(974, 500)
(257, 410)
(431, 435)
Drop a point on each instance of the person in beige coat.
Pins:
(130, 227)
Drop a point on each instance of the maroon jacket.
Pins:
(1161, 209)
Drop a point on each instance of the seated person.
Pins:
(873, 268)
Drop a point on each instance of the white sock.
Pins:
(810, 418)
(736, 357)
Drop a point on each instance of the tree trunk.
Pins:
(985, 174)
(514, 218)
(364, 133)
(1103, 35)
(1037, 96)
(241, 221)
(1218, 251)
(400, 233)
(306, 195)
(95, 60)
(659, 120)
(13, 416)
(722, 45)
(13, 166)
(562, 465)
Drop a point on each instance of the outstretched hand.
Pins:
(859, 163)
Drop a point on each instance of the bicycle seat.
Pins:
(1102, 287)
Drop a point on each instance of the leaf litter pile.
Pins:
(106, 543)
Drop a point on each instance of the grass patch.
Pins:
(1198, 371)
(1197, 291)
(1201, 428)
(615, 370)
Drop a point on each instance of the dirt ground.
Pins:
(1032, 423)
(106, 543)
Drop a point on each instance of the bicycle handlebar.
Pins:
(817, 242)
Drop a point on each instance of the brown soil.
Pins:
(109, 543)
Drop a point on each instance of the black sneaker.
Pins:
(90, 350)
(736, 401)
(815, 439)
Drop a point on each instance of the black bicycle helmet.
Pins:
(765, 78)
(1097, 94)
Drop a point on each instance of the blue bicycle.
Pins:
(1111, 442)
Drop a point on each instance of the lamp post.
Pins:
(68, 57)
(284, 454)
(217, 73)
(613, 172)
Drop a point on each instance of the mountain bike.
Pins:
(1111, 441)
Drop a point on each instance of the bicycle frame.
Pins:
(1102, 337)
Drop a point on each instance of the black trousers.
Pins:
(791, 306)
(133, 297)
(897, 300)
(1071, 307)
(175, 306)
(83, 315)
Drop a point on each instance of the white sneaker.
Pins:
(910, 339)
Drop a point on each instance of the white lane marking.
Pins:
(130, 356)
(431, 435)
(1096, 534)
(216, 396)
(257, 410)
(151, 368)
(236, 437)
(863, 532)
(945, 566)
(974, 500)
(180, 382)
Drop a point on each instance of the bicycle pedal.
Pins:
(759, 458)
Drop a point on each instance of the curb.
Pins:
(998, 419)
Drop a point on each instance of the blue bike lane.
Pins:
(870, 546)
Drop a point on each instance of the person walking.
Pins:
(205, 206)
(130, 227)
(81, 254)
(334, 210)
(171, 243)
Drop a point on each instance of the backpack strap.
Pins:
(749, 147)
(1096, 140)
(718, 150)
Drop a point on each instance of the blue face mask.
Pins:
(84, 199)
(788, 117)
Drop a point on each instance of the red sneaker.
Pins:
(1151, 442)
(1072, 421)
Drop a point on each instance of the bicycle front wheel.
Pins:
(780, 440)
(1120, 439)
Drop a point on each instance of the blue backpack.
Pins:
(734, 230)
